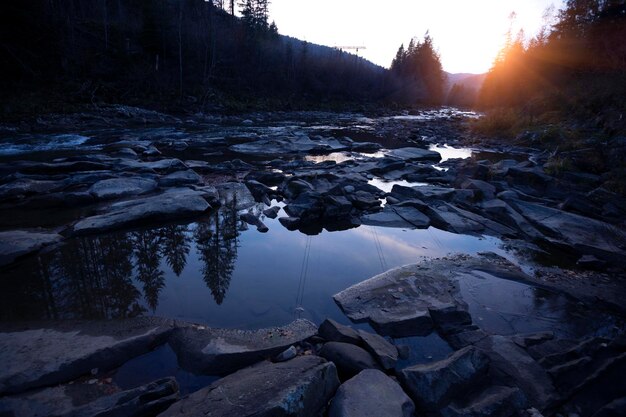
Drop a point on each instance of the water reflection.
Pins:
(119, 275)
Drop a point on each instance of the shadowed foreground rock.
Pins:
(219, 351)
(54, 353)
(19, 243)
(61, 401)
(300, 387)
(371, 394)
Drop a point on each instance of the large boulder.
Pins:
(48, 354)
(385, 353)
(300, 387)
(371, 394)
(170, 205)
(220, 351)
(400, 302)
(16, 243)
(335, 332)
(178, 178)
(435, 385)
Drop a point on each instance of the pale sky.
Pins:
(467, 33)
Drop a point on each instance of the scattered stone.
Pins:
(221, 351)
(349, 359)
(300, 387)
(16, 243)
(371, 394)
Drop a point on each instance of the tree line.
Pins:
(192, 52)
(577, 64)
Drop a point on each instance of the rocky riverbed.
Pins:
(149, 265)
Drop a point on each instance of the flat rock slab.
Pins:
(122, 187)
(172, 204)
(18, 243)
(48, 354)
(414, 299)
(220, 351)
(300, 387)
(415, 154)
(371, 394)
(408, 217)
(585, 235)
(89, 399)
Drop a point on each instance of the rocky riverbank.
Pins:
(69, 177)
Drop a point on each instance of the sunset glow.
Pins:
(468, 34)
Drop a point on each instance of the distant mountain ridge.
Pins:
(467, 80)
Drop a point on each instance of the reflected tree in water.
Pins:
(175, 245)
(217, 241)
(95, 277)
(147, 244)
(87, 278)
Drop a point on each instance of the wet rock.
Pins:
(380, 348)
(235, 195)
(413, 299)
(435, 385)
(271, 212)
(415, 154)
(335, 332)
(16, 243)
(371, 394)
(178, 178)
(77, 400)
(363, 200)
(280, 146)
(56, 168)
(295, 187)
(397, 216)
(515, 366)
(349, 359)
(221, 351)
(53, 353)
(172, 204)
(300, 387)
(122, 187)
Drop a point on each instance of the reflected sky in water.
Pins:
(218, 272)
(215, 271)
